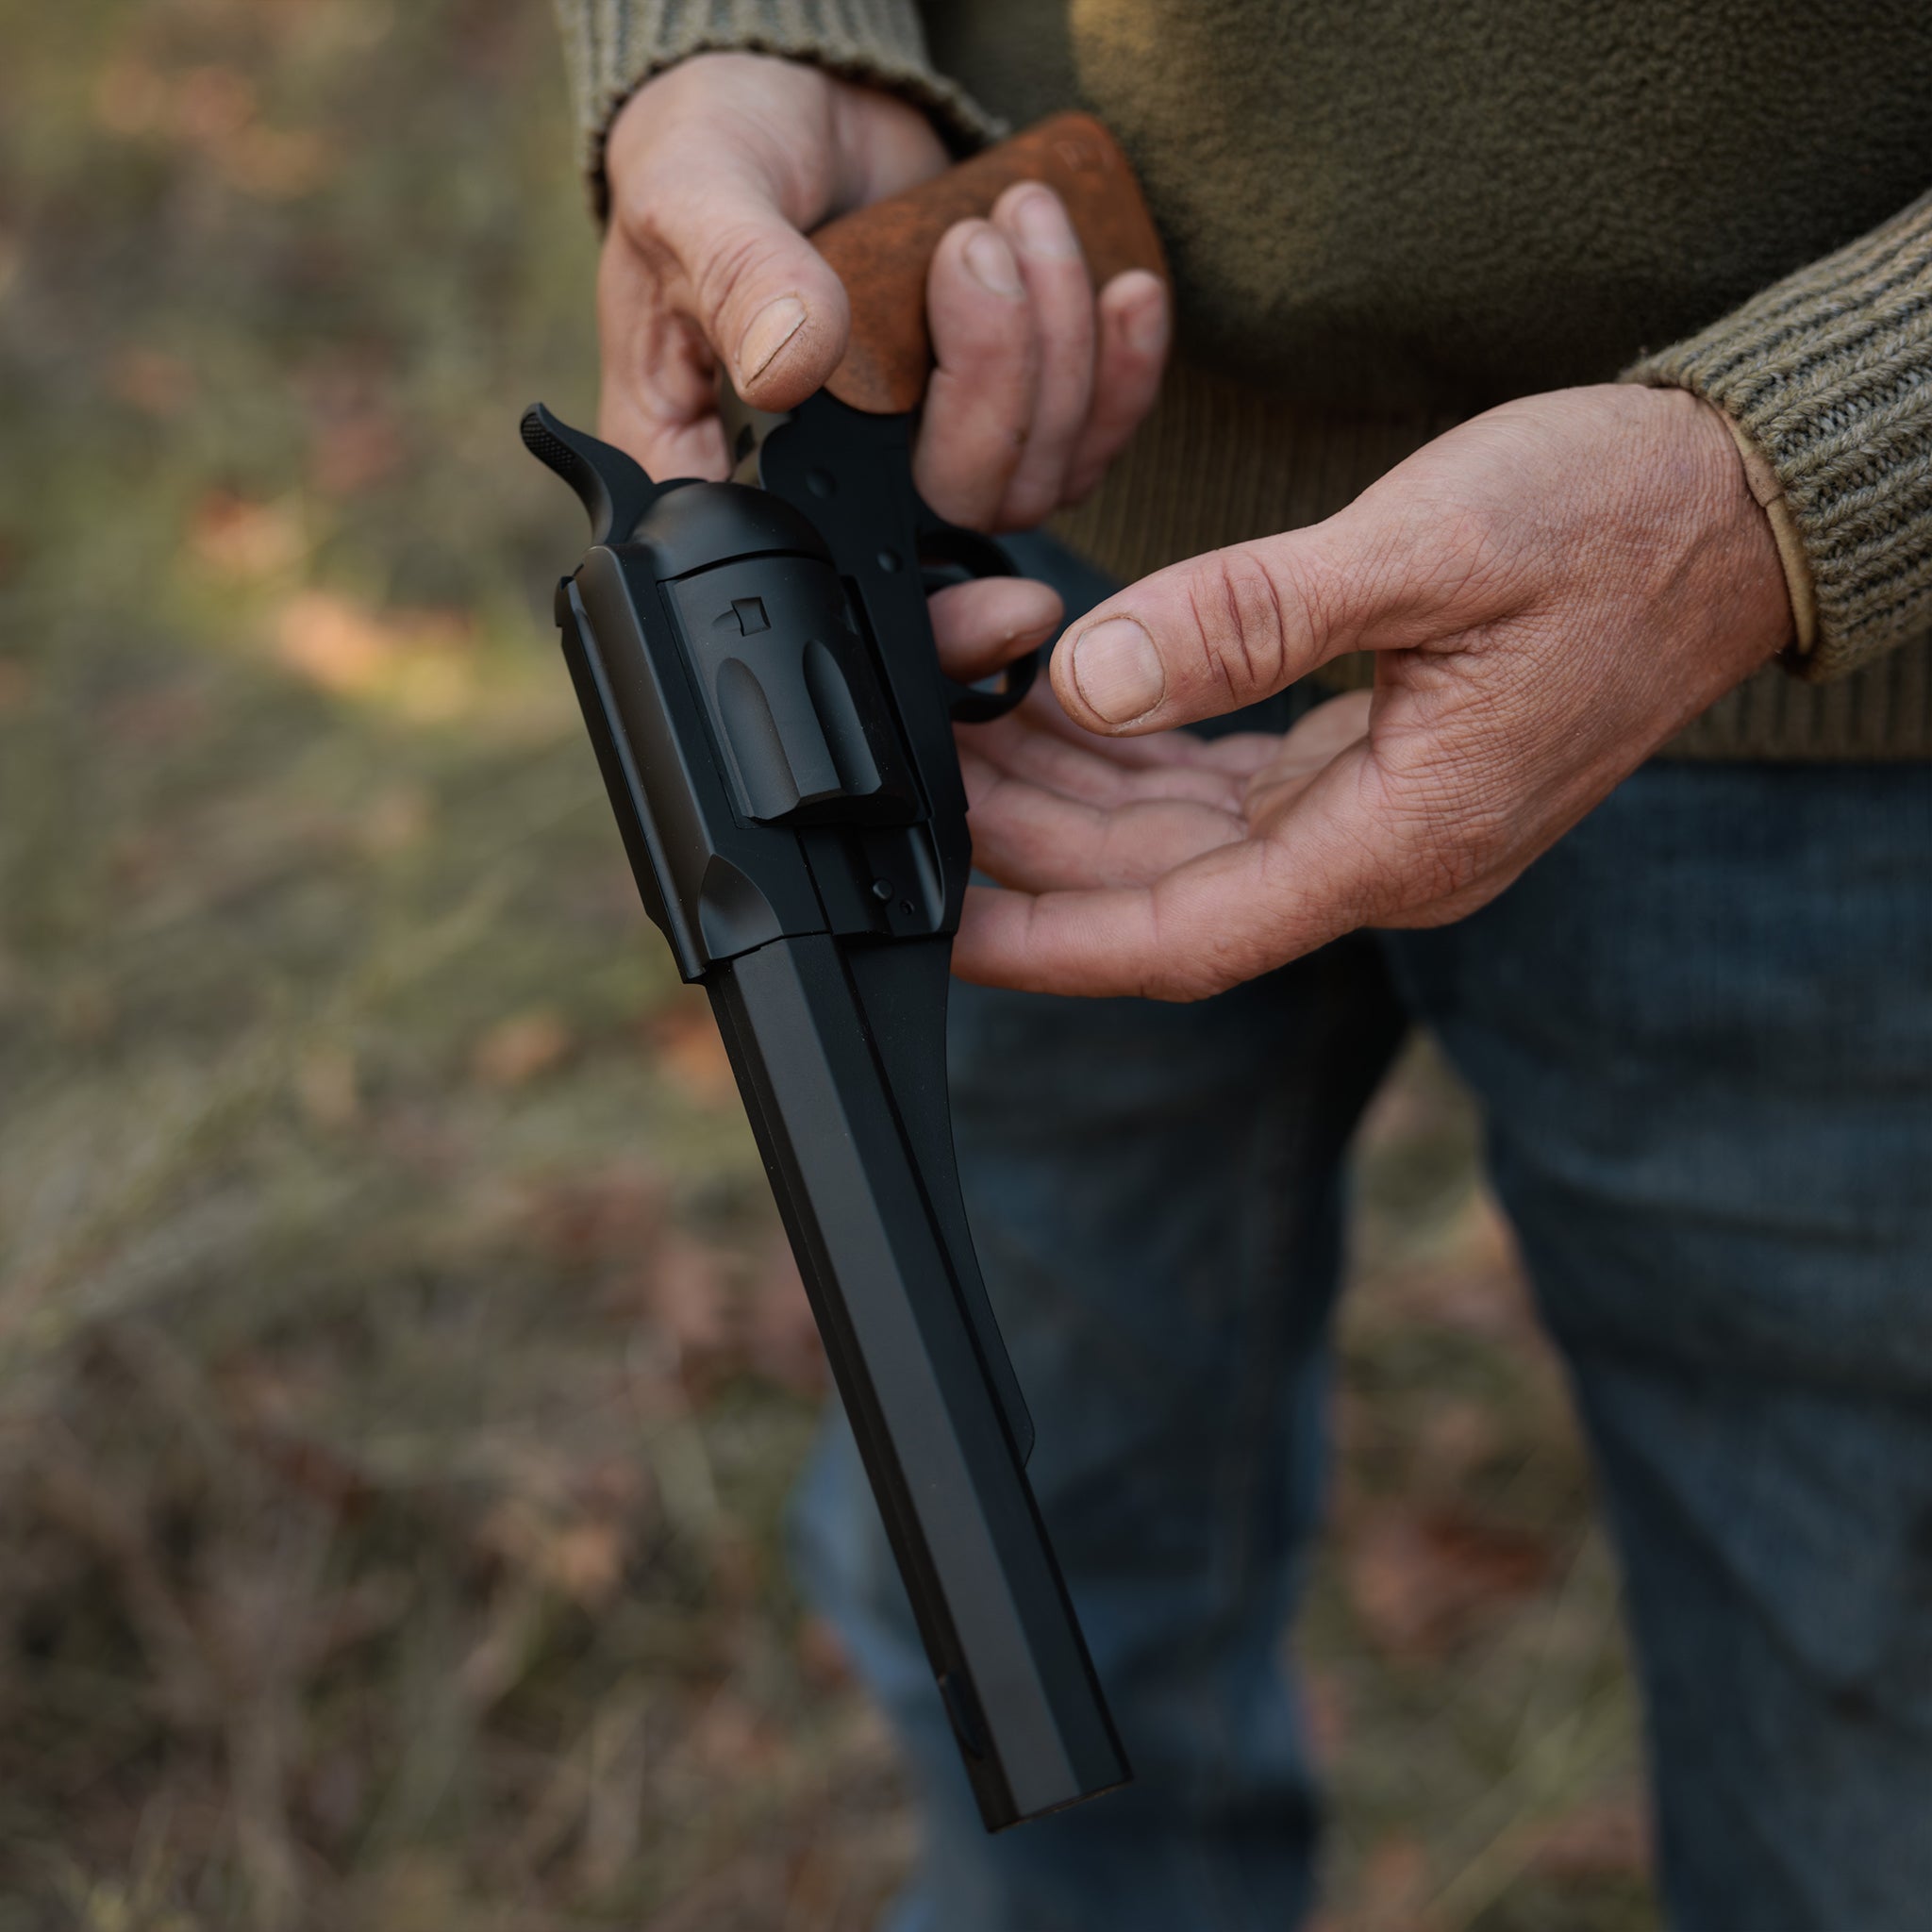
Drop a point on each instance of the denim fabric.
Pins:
(1701, 1033)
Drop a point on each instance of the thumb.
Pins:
(764, 298)
(701, 245)
(1217, 632)
(769, 306)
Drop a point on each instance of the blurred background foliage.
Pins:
(400, 1371)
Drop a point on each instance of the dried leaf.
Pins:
(518, 1050)
(414, 659)
(1419, 1583)
(238, 539)
(687, 1048)
(586, 1560)
(581, 1558)
(337, 645)
(210, 104)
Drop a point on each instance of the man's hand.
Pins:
(717, 168)
(1551, 590)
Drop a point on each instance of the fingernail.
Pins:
(771, 329)
(992, 264)
(1146, 327)
(1043, 227)
(1117, 669)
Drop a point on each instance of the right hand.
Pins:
(719, 165)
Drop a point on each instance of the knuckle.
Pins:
(1197, 970)
(1238, 625)
(651, 200)
(637, 244)
(1083, 479)
(726, 264)
(1030, 500)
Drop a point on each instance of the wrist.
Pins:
(1749, 525)
(1768, 492)
(1751, 591)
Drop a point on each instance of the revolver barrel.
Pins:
(823, 1045)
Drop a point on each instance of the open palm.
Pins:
(1550, 591)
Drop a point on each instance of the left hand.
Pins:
(720, 165)
(1551, 590)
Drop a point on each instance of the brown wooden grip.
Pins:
(882, 252)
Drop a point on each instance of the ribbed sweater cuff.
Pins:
(614, 46)
(1828, 376)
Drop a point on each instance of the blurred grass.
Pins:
(400, 1374)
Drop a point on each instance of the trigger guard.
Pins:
(946, 546)
(972, 705)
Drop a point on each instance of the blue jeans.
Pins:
(1701, 1033)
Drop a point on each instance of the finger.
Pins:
(1018, 746)
(979, 401)
(1230, 628)
(1198, 929)
(1095, 944)
(987, 622)
(1042, 710)
(1221, 917)
(1040, 840)
(1356, 847)
(1238, 753)
(764, 297)
(1241, 753)
(1094, 783)
(1042, 707)
(701, 268)
(1132, 336)
(658, 395)
(1061, 295)
(1202, 638)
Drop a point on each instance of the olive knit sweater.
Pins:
(1384, 214)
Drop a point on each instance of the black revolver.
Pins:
(757, 669)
